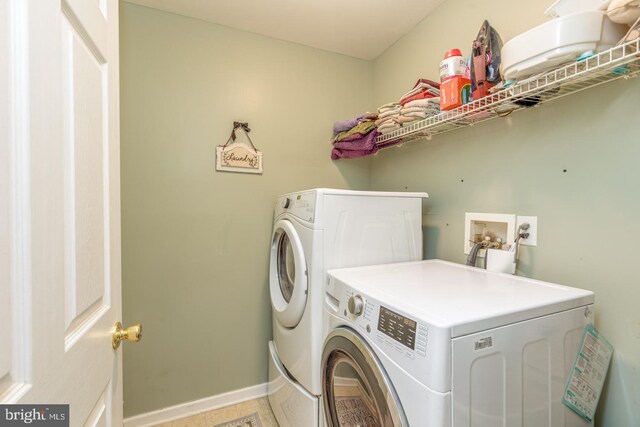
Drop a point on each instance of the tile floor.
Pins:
(229, 413)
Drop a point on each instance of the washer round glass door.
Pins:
(356, 389)
(287, 274)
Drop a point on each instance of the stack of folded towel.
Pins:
(419, 109)
(423, 89)
(354, 137)
(419, 103)
(388, 117)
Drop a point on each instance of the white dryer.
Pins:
(313, 231)
(437, 344)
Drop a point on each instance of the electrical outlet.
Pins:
(532, 240)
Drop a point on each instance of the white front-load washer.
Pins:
(437, 344)
(313, 231)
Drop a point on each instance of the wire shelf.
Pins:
(622, 61)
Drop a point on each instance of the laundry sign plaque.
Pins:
(237, 156)
(238, 159)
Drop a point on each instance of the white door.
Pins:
(60, 207)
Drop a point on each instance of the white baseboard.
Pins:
(197, 406)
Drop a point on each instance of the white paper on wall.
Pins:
(588, 374)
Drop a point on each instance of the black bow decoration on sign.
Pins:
(243, 126)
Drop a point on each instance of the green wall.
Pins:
(196, 241)
(588, 216)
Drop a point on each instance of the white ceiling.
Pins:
(358, 28)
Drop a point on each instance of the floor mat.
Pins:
(354, 412)
(249, 421)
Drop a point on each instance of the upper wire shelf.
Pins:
(621, 61)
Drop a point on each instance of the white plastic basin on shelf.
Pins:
(558, 41)
(567, 7)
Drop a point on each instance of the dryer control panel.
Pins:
(301, 205)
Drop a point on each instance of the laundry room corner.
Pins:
(571, 163)
(249, 213)
(195, 241)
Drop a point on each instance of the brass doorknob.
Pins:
(132, 334)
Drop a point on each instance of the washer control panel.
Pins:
(395, 330)
(400, 328)
(386, 327)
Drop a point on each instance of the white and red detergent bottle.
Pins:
(455, 85)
